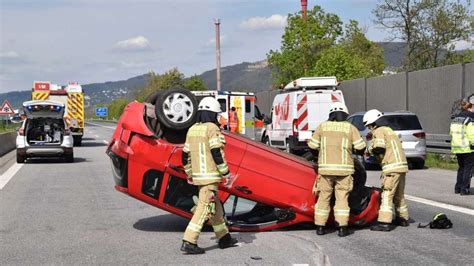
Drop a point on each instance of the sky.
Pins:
(91, 41)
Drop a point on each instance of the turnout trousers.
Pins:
(209, 208)
(342, 185)
(393, 195)
(466, 165)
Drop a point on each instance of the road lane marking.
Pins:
(440, 205)
(99, 125)
(5, 177)
(106, 142)
(96, 136)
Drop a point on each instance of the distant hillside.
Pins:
(245, 76)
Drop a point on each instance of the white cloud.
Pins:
(139, 43)
(276, 21)
(9, 55)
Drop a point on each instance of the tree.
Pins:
(170, 79)
(427, 27)
(116, 108)
(322, 45)
(303, 42)
(195, 83)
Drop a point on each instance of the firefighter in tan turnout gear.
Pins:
(334, 141)
(387, 148)
(205, 165)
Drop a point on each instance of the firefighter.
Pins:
(462, 144)
(205, 165)
(333, 142)
(233, 120)
(387, 149)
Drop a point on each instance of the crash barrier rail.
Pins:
(438, 143)
(7, 142)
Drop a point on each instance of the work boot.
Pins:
(343, 231)
(465, 192)
(227, 241)
(320, 230)
(385, 227)
(401, 222)
(191, 248)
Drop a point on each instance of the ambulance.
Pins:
(298, 110)
(72, 96)
(249, 116)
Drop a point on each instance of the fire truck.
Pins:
(71, 96)
(249, 116)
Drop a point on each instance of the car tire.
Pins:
(266, 141)
(176, 108)
(69, 158)
(77, 140)
(152, 122)
(20, 158)
(418, 164)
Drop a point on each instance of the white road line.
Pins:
(5, 177)
(96, 136)
(99, 125)
(440, 205)
(106, 142)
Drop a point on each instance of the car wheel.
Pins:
(70, 158)
(266, 141)
(77, 141)
(176, 108)
(288, 149)
(20, 158)
(418, 164)
(150, 115)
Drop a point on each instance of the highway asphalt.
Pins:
(52, 212)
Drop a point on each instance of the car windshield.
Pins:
(403, 122)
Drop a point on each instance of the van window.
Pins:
(243, 211)
(403, 122)
(247, 106)
(223, 104)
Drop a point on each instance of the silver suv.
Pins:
(409, 130)
(44, 132)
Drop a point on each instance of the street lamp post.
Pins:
(217, 22)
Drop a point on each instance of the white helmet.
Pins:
(338, 107)
(209, 104)
(371, 116)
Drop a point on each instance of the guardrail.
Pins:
(8, 142)
(438, 143)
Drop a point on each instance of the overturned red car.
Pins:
(272, 189)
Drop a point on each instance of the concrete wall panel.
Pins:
(354, 94)
(431, 94)
(387, 93)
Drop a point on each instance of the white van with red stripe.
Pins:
(300, 107)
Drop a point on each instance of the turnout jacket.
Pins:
(462, 133)
(392, 158)
(336, 142)
(203, 154)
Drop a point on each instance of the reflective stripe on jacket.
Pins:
(336, 142)
(462, 134)
(394, 160)
(201, 138)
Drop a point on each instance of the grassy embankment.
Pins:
(443, 161)
(8, 128)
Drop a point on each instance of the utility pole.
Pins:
(217, 22)
(304, 8)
